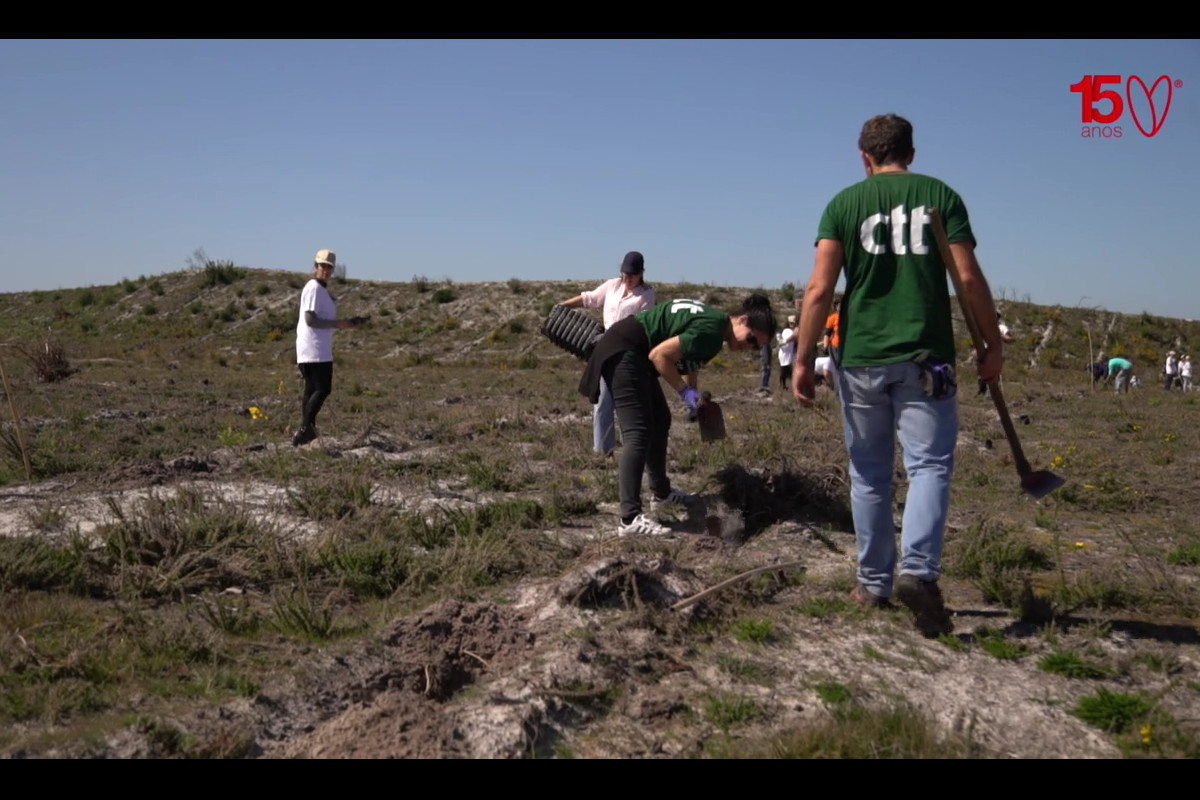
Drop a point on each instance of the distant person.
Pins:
(895, 359)
(1005, 336)
(1119, 372)
(632, 356)
(832, 337)
(825, 372)
(1185, 373)
(626, 294)
(787, 353)
(764, 357)
(1170, 370)
(1099, 369)
(314, 343)
(1005, 332)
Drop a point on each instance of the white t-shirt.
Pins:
(787, 347)
(824, 364)
(315, 345)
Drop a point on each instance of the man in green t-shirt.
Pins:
(672, 340)
(895, 370)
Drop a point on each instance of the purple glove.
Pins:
(691, 398)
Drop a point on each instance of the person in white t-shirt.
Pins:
(787, 353)
(314, 343)
(619, 297)
(825, 371)
(1171, 369)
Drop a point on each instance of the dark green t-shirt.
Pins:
(896, 303)
(700, 328)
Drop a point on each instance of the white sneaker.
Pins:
(674, 500)
(643, 526)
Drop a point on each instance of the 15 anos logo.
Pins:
(1105, 106)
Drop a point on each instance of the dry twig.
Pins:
(682, 604)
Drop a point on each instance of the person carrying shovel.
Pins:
(895, 369)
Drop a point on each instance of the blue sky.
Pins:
(487, 160)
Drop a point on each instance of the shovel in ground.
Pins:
(711, 419)
(1037, 484)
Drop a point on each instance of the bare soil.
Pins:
(594, 661)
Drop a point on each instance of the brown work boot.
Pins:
(924, 600)
(864, 597)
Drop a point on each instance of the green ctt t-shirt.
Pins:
(700, 328)
(896, 303)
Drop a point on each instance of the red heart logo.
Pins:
(1158, 123)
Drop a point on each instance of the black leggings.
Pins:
(645, 425)
(318, 382)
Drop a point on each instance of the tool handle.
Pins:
(1010, 432)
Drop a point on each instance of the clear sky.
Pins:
(548, 160)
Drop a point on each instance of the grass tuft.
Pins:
(1115, 712)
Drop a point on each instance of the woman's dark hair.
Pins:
(760, 316)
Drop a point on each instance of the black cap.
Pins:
(633, 264)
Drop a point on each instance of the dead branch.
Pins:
(682, 604)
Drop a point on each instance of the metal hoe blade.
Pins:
(1041, 483)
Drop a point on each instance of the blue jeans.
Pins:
(878, 403)
(604, 421)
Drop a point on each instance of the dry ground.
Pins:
(438, 575)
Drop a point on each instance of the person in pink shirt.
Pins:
(626, 294)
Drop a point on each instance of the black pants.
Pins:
(318, 383)
(785, 378)
(645, 423)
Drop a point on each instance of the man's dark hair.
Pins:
(887, 139)
(761, 317)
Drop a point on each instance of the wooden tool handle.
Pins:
(1010, 432)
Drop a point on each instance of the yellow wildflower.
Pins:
(1146, 737)
(256, 413)
(1080, 545)
(282, 386)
